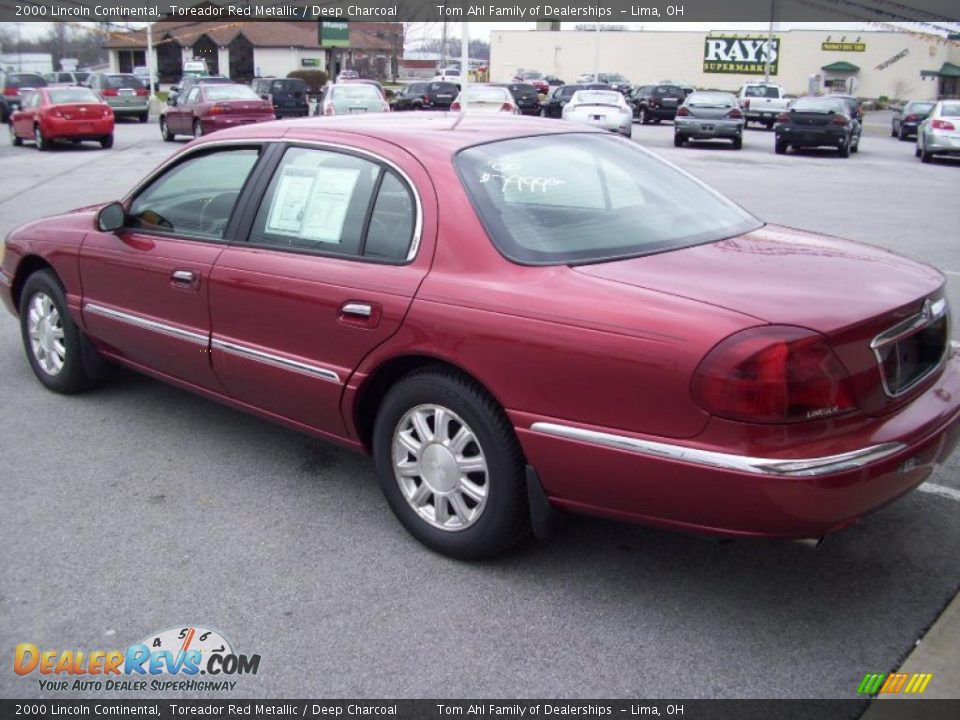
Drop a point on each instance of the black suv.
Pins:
(436, 95)
(656, 102)
(11, 83)
(525, 95)
(288, 95)
(553, 106)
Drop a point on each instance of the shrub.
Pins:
(316, 79)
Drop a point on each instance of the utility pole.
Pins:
(443, 42)
(464, 64)
(151, 69)
(596, 53)
(766, 64)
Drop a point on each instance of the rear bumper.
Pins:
(811, 136)
(699, 128)
(130, 109)
(292, 112)
(943, 143)
(797, 494)
(78, 129)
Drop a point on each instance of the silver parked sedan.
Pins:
(709, 116)
(601, 108)
(939, 133)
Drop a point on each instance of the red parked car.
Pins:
(207, 108)
(514, 317)
(51, 114)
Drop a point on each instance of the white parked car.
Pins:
(486, 99)
(450, 74)
(939, 133)
(601, 108)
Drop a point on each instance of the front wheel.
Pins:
(165, 131)
(14, 138)
(780, 148)
(53, 343)
(450, 465)
(643, 117)
(41, 142)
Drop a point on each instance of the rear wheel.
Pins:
(197, 129)
(780, 148)
(42, 143)
(678, 140)
(106, 142)
(738, 142)
(894, 133)
(856, 145)
(54, 344)
(843, 150)
(144, 116)
(902, 136)
(165, 131)
(450, 465)
(925, 156)
(916, 151)
(769, 124)
(643, 117)
(14, 138)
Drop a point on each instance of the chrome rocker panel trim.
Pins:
(800, 467)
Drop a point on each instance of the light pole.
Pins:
(464, 64)
(766, 64)
(596, 53)
(150, 63)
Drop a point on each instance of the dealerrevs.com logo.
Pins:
(191, 658)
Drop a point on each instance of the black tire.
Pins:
(165, 131)
(106, 142)
(902, 136)
(75, 375)
(780, 148)
(678, 140)
(916, 151)
(504, 520)
(925, 156)
(197, 129)
(14, 139)
(894, 133)
(843, 150)
(144, 117)
(768, 124)
(738, 142)
(643, 117)
(39, 140)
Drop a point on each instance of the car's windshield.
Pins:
(596, 97)
(582, 198)
(358, 91)
(25, 80)
(73, 95)
(230, 92)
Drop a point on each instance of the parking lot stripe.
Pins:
(941, 490)
(950, 272)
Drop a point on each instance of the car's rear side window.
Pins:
(581, 198)
(328, 202)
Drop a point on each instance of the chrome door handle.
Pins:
(358, 309)
(183, 276)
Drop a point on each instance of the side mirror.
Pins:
(111, 217)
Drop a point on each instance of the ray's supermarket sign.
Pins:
(741, 56)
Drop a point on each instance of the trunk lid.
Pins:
(850, 292)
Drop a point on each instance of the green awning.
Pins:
(948, 69)
(841, 66)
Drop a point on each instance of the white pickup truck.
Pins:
(762, 102)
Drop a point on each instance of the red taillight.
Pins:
(107, 112)
(773, 374)
(783, 118)
(219, 109)
(938, 124)
(455, 106)
(109, 92)
(683, 112)
(910, 118)
(506, 107)
(735, 114)
(142, 92)
(328, 110)
(10, 91)
(838, 120)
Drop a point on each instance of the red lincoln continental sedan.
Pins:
(514, 318)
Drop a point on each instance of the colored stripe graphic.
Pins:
(913, 683)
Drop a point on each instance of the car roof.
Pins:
(418, 133)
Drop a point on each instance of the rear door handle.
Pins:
(357, 309)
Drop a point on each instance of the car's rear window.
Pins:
(703, 99)
(443, 87)
(597, 97)
(523, 90)
(818, 105)
(920, 107)
(951, 109)
(82, 76)
(762, 91)
(584, 197)
(358, 91)
(73, 95)
(19, 80)
(487, 94)
(124, 81)
(668, 91)
(230, 92)
(287, 86)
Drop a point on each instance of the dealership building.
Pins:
(895, 65)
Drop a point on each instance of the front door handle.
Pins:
(360, 314)
(185, 279)
(357, 309)
(183, 276)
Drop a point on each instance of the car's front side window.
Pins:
(196, 197)
(329, 202)
(193, 96)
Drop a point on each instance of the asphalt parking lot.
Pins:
(140, 507)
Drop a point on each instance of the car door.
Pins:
(335, 252)
(146, 286)
(24, 119)
(180, 117)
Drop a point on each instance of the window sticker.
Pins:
(311, 202)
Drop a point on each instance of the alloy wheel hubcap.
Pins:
(440, 467)
(45, 329)
(38, 136)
